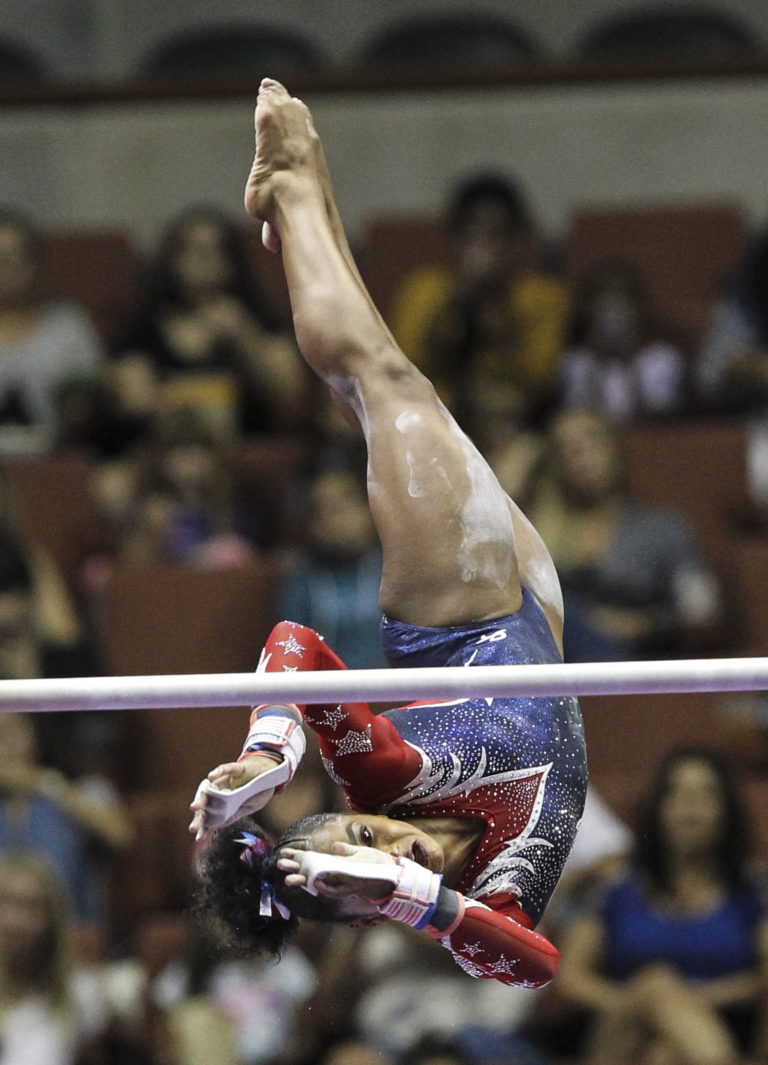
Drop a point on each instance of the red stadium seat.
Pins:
(686, 253)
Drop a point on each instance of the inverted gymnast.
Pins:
(463, 812)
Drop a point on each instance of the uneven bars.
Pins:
(396, 686)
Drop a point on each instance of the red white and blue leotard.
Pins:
(518, 765)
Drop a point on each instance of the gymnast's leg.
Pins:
(446, 526)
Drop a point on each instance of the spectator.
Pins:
(43, 345)
(733, 361)
(672, 959)
(633, 578)
(204, 339)
(52, 1011)
(236, 1011)
(73, 824)
(496, 318)
(432, 1051)
(617, 360)
(181, 505)
(354, 1050)
(332, 584)
(41, 633)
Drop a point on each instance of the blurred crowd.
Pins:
(661, 913)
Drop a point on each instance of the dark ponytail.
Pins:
(230, 890)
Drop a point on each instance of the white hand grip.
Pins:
(314, 864)
(224, 805)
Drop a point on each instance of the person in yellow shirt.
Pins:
(493, 321)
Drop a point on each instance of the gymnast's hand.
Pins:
(225, 795)
(334, 874)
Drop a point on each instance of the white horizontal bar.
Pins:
(395, 686)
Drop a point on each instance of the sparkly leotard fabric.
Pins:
(517, 765)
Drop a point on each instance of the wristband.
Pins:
(414, 898)
(274, 729)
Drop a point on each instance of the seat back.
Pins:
(685, 252)
(53, 506)
(18, 66)
(179, 619)
(96, 269)
(449, 42)
(396, 245)
(231, 51)
(661, 32)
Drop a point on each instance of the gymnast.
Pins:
(463, 812)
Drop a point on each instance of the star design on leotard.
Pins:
(333, 718)
(290, 669)
(469, 967)
(505, 965)
(471, 949)
(328, 764)
(292, 646)
(355, 742)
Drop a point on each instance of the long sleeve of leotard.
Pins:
(490, 944)
(362, 751)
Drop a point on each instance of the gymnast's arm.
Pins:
(487, 943)
(361, 750)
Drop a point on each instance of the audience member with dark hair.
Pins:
(672, 959)
(617, 359)
(205, 338)
(331, 582)
(634, 581)
(52, 1010)
(43, 345)
(179, 503)
(496, 317)
(733, 360)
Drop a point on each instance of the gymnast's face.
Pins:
(397, 838)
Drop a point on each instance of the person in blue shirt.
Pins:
(673, 956)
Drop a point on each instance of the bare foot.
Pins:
(285, 146)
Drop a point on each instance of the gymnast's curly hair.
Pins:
(229, 890)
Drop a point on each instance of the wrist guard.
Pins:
(274, 731)
(414, 889)
(277, 730)
(414, 898)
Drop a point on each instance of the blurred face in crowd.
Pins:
(492, 246)
(613, 320)
(201, 262)
(190, 467)
(18, 267)
(25, 911)
(692, 808)
(585, 457)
